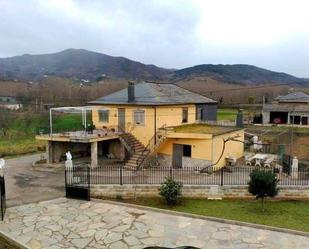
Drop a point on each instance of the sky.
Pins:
(273, 34)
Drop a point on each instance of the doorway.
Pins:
(121, 119)
(177, 156)
(304, 120)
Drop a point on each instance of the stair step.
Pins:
(130, 167)
(131, 164)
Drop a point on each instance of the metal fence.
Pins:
(187, 176)
(2, 197)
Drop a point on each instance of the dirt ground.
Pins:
(25, 185)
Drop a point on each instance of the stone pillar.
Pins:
(266, 117)
(94, 154)
(69, 173)
(295, 168)
(49, 152)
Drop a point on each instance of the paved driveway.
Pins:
(64, 223)
(25, 185)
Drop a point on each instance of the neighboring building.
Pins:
(10, 102)
(150, 120)
(292, 108)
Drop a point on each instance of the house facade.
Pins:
(164, 122)
(292, 108)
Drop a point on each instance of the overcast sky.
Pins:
(273, 34)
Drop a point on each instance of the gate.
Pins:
(77, 182)
(2, 197)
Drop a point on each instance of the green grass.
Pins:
(284, 214)
(227, 114)
(203, 129)
(18, 146)
(67, 123)
(20, 138)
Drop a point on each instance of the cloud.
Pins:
(174, 33)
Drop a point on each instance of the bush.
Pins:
(263, 184)
(170, 190)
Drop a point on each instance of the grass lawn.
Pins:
(285, 214)
(203, 129)
(18, 146)
(227, 114)
(20, 138)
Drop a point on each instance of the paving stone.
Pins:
(54, 228)
(96, 225)
(48, 241)
(88, 233)
(99, 235)
(112, 237)
(34, 244)
(118, 245)
(80, 243)
(69, 224)
(131, 240)
(121, 228)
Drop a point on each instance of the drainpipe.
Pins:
(155, 124)
(50, 122)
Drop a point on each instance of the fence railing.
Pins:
(227, 123)
(188, 176)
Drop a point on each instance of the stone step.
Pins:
(131, 165)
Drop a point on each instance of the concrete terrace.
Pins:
(81, 136)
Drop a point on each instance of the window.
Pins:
(184, 115)
(187, 150)
(103, 116)
(199, 114)
(139, 117)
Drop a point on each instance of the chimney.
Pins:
(239, 119)
(131, 91)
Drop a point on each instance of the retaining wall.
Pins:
(192, 191)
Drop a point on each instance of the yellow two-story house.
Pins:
(148, 110)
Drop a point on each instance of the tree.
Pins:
(251, 100)
(263, 184)
(170, 190)
(6, 119)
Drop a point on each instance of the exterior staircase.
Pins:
(135, 149)
(139, 154)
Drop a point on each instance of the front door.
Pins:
(177, 155)
(121, 119)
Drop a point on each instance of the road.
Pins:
(25, 185)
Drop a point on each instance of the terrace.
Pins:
(82, 132)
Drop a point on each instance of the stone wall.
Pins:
(193, 191)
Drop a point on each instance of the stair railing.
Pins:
(123, 139)
(152, 145)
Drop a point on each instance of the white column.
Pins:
(295, 168)
(94, 154)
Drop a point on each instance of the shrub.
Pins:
(263, 184)
(170, 190)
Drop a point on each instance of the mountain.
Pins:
(88, 65)
(238, 73)
(77, 63)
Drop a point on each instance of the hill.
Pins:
(238, 73)
(88, 65)
(77, 63)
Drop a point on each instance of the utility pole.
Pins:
(292, 133)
